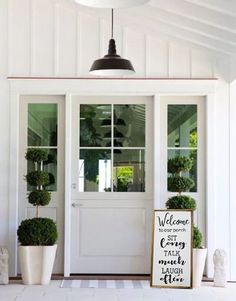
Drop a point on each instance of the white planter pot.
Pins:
(199, 258)
(36, 263)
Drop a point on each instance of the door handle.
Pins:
(75, 205)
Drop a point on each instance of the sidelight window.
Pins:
(183, 135)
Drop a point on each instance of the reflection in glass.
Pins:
(95, 170)
(191, 154)
(49, 166)
(42, 124)
(95, 125)
(182, 125)
(129, 125)
(129, 170)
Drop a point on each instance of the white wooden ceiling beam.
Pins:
(190, 25)
(222, 6)
(172, 30)
(197, 13)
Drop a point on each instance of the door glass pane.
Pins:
(129, 170)
(95, 125)
(49, 166)
(182, 125)
(95, 170)
(191, 154)
(42, 124)
(129, 125)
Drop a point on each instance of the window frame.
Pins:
(114, 100)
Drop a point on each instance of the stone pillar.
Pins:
(4, 278)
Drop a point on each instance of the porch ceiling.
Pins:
(210, 24)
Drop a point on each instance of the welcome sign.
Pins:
(172, 249)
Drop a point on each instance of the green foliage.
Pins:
(37, 178)
(37, 232)
(197, 238)
(179, 164)
(36, 155)
(39, 197)
(51, 158)
(179, 184)
(181, 202)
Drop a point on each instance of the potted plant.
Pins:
(179, 183)
(38, 235)
(199, 257)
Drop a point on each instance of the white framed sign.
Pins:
(172, 249)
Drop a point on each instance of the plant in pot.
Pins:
(179, 183)
(37, 236)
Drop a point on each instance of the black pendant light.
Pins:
(112, 64)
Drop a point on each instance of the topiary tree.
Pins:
(38, 231)
(179, 183)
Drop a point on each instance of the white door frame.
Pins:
(99, 87)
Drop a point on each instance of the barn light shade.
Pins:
(112, 64)
(111, 3)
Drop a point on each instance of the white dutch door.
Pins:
(112, 198)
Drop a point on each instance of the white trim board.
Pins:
(88, 87)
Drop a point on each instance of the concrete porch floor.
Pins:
(15, 291)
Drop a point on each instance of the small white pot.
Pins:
(199, 258)
(36, 263)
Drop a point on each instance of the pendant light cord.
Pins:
(112, 22)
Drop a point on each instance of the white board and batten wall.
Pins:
(62, 30)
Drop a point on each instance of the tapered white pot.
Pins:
(199, 258)
(36, 263)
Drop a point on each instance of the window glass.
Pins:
(95, 170)
(129, 170)
(129, 125)
(112, 148)
(42, 124)
(49, 166)
(42, 133)
(183, 136)
(191, 154)
(182, 125)
(95, 125)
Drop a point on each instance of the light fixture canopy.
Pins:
(112, 3)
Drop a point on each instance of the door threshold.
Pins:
(107, 277)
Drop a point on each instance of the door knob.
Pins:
(75, 205)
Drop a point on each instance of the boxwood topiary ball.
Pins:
(37, 178)
(37, 232)
(197, 238)
(179, 184)
(181, 202)
(36, 155)
(39, 197)
(179, 164)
